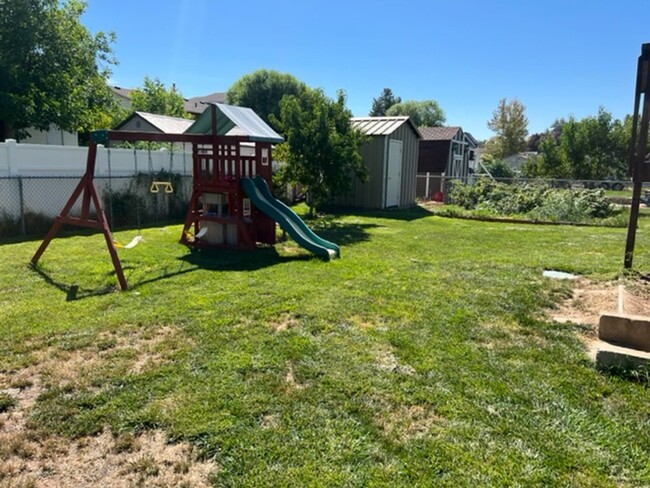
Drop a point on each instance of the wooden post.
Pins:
(637, 167)
(87, 186)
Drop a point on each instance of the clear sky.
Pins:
(558, 57)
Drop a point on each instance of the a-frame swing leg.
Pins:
(87, 186)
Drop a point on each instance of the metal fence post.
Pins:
(23, 227)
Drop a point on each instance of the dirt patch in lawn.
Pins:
(590, 299)
(31, 457)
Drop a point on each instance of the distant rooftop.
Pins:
(164, 123)
(439, 133)
(197, 105)
(194, 105)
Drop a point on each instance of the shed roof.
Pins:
(234, 121)
(439, 133)
(164, 123)
(382, 126)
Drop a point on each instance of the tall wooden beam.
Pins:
(637, 167)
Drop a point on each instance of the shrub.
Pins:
(537, 201)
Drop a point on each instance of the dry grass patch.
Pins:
(102, 461)
(386, 360)
(404, 423)
(286, 321)
(290, 379)
(32, 458)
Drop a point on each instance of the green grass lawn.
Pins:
(421, 358)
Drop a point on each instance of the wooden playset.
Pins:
(231, 170)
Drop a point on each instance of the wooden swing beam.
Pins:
(638, 168)
(88, 192)
(85, 189)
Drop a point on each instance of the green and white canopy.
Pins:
(235, 121)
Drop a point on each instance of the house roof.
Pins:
(164, 123)
(122, 92)
(234, 121)
(382, 126)
(197, 105)
(439, 133)
(471, 139)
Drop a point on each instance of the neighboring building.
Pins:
(516, 161)
(122, 95)
(391, 156)
(54, 136)
(444, 151)
(197, 105)
(163, 124)
(146, 122)
(194, 106)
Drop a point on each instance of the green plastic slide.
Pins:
(258, 191)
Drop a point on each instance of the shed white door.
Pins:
(394, 173)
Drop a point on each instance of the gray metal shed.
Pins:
(391, 156)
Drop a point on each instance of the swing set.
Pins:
(219, 214)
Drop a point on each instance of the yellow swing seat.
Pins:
(165, 185)
(134, 242)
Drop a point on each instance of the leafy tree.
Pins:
(425, 113)
(154, 98)
(593, 148)
(497, 169)
(53, 70)
(510, 125)
(321, 149)
(383, 102)
(262, 91)
(532, 144)
(551, 162)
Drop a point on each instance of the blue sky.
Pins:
(559, 58)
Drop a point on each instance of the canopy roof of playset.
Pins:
(235, 121)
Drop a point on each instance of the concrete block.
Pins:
(631, 331)
(609, 356)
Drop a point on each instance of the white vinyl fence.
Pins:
(48, 160)
(37, 180)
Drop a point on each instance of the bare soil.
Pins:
(590, 299)
(32, 458)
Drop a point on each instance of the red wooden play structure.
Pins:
(228, 144)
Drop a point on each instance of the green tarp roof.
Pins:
(235, 121)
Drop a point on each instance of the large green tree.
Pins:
(383, 102)
(155, 98)
(510, 125)
(52, 69)
(423, 113)
(262, 91)
(321, 149)
(592, 148)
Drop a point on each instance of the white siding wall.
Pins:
(54, 136)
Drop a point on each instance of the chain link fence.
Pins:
(29, 204)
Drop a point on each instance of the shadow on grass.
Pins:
(72, 291)
(232, 260)
(341, 233)
(405, 214)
